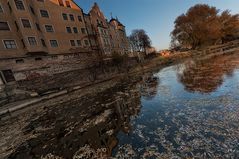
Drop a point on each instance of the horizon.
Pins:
(156, 22)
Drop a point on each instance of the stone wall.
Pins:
(35, 66)
(43, 73)
(46, 74)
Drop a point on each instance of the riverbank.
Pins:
(149, 65)
(127, 115)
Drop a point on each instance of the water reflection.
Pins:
(206, 76)
(149, 86)
(143, 119)
(84, 128)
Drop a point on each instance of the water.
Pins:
(182, 111)
(193, 112)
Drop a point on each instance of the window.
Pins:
(8, 75)
(38, 59)
(38, 27)
(65, 17)
(26, 23)
(43, 43)
(19, 5)
(53, 43)
(83, 30)
(32, 41)
(68, 30)
(44, 13)
(4, 26)
(60, 2)
(1, 10)
(79, 18)
(78, 42)
(68, 4)
(72, 17)
(49, 28)
(72, 42)
(19, 61)
(75, 30)
(10, 44)
(86, 42)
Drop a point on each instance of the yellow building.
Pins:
(45, 30)
(33, 27)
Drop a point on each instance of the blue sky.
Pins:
(154, 16)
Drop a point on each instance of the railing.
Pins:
(221, 49)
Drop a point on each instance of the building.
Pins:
(118, 36)
(109, 35)
(35, 32)
(30, 27)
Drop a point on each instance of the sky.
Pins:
(156, 17)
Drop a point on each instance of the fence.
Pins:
(220, 49)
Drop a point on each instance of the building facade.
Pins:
(110, 36)
(30, 27)
(36, 30)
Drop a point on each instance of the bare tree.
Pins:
(139, 40)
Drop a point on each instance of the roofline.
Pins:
(77, 5)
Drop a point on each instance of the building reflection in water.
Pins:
(149, 86)
(206, 76)
(85, 128)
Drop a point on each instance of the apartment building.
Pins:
(30, 27)
(45, 30)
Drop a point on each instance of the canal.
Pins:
(182, 111)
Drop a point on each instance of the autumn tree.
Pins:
(202, 25)
(229, 26)
(139, 40)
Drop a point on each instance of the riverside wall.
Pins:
(35, 76)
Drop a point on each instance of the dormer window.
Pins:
(68, 4)
(60, 2)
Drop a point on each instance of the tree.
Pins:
(120, 60)
(229, 25)
(139, 40)
(202, 25)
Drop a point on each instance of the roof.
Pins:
(119, 23)
(77, 5)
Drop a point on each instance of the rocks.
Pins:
(50, 156)
(125, 152)
(87, 152)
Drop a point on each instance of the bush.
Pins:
(120, 60)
